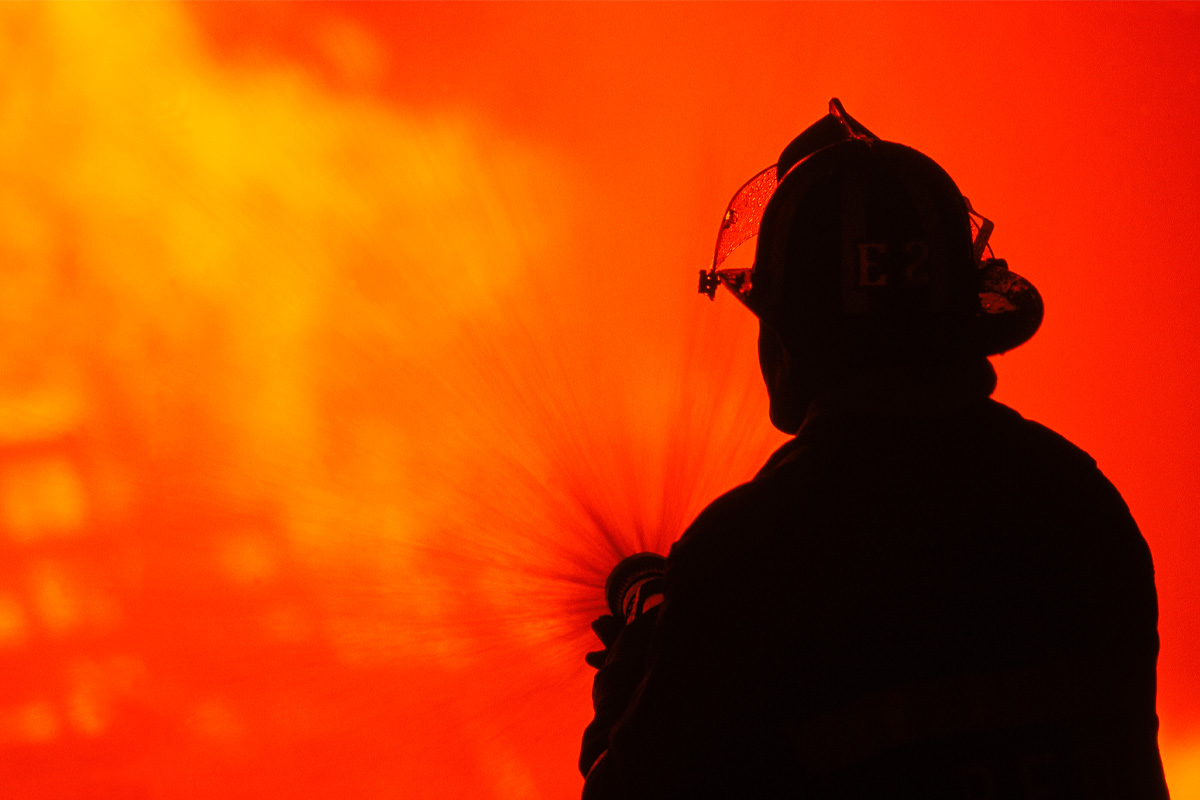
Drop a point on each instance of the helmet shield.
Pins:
(742, 219)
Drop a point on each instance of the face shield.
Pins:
(740, 224)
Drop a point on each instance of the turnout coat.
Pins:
(899, 606)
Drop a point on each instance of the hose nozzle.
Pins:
(635, 585)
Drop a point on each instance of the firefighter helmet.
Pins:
(868, 248)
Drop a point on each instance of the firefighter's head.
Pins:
(867, 259)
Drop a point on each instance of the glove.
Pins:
(607, 628)
(621, 666)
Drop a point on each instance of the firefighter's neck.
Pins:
(907, 391)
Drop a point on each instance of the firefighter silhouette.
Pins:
(920, 595)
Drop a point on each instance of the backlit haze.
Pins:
(345, 348)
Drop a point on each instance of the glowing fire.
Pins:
(322, 418)
(294, 448)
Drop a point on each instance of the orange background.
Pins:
(346, 347)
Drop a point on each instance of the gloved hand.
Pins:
(621, 665)
(607, 628)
